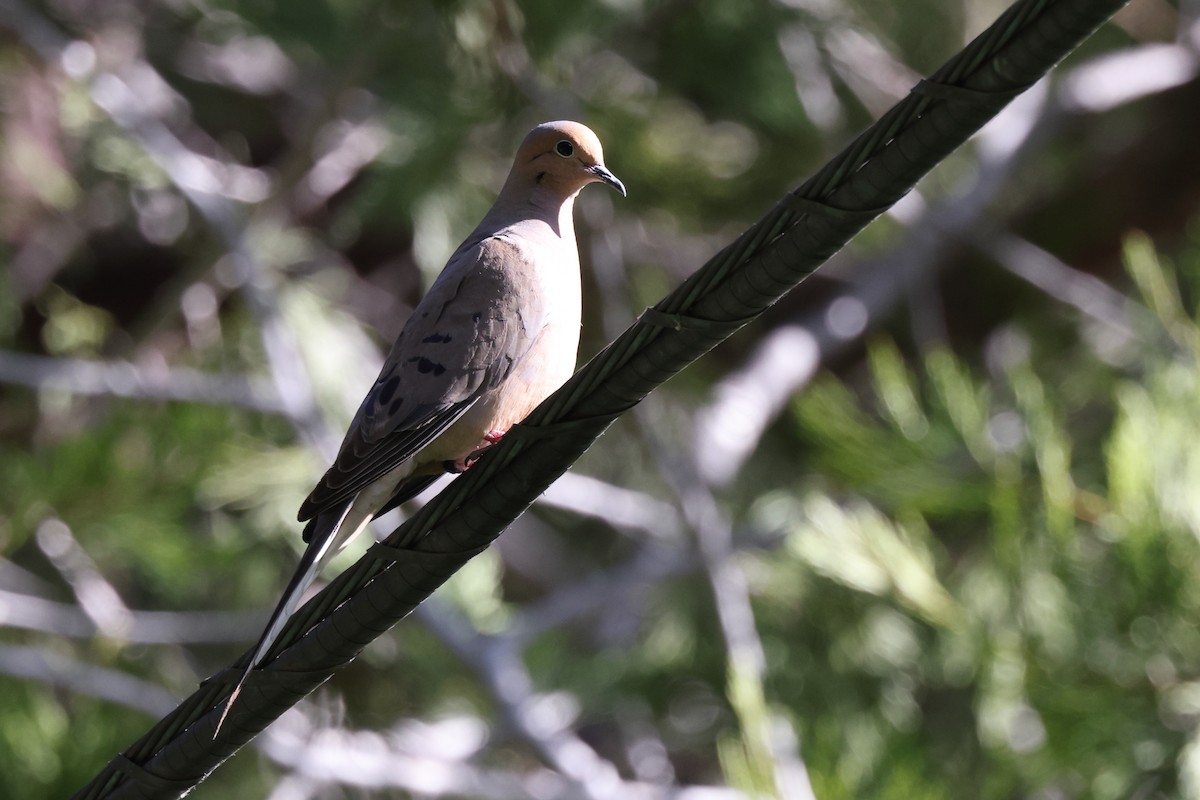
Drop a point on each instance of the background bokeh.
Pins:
(928, 529)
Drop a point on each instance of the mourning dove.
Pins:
(495, 335)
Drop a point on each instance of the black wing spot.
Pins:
(436, 338)
(395, 407)
(425, 366)
(476, 317)
(388, 389)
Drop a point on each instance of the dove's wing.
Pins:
(466, 336)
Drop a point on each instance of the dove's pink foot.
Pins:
(463, 464)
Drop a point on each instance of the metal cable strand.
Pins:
(739, 282)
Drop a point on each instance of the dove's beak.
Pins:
(602, 174)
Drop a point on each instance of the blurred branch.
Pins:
(44, 254)
(614, 590)
(603, 590)
(513, 59)
(617, 506)
(814, 85)
(433, 760)
(847, 48)
(16, 577)
(868, 69)
(140, 101)
(749, 399)
(534, 718)
(355, 145)
(107, 684)
(123, 379)
(772, 761)
(204, 182)
(352, 758)
(1084, 292)
(97, 598)
(145, 627)
(35, 30)
(1116, 79)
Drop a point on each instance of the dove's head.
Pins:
(563, 157)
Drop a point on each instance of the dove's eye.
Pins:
(565, 149)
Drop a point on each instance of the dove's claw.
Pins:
(464, 464)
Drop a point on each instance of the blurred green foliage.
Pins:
(969, 545)
(1062, 607)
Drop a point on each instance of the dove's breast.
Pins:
(550, 309)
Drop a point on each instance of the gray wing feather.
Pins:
(464, 338)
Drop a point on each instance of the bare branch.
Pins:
(770, 755)
(123, 379)
(1091, 296)
(146, 627)
(615, 505)
(403, 759)
(540, 720)
(97, 597)
(107, 684)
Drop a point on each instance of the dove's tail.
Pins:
(326, 535)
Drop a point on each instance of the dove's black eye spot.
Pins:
(565, 149)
